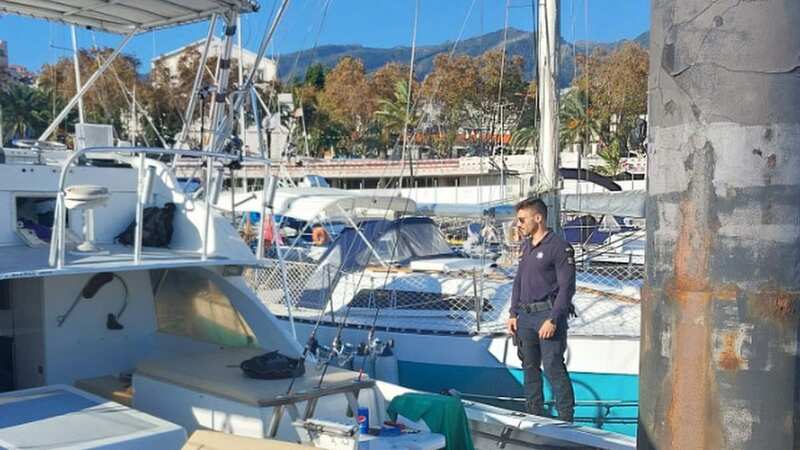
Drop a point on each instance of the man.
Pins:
(540, 303)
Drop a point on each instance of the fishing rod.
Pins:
(312, 344)
(337, 339)
(371, 333)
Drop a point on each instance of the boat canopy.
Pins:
(465, 210)
(322, 204)
(125, 16)
(395, 241)
(623, 203)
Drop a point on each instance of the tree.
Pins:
(612, 159)
(25, 112)
(526, 135)
(578, 124)
(486, 94)
(106, 101)
(449, 89)
(500, 95)
(384, 81)
(346, 100)
(315, 76)
(616, 84)
(397, 113)
(165, 104)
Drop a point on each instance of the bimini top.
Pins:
(394, 241)
(125, 16)
(322, 204)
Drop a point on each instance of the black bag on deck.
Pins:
(273, 366)
(157, 230)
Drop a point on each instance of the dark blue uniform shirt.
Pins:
(544, 270)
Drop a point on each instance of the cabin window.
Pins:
(190, 305)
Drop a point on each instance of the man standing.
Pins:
(540, 303)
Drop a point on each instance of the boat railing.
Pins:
(58, 242)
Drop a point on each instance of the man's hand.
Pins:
(511, 325)
(547, 330)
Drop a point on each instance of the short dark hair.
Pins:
(536, 204)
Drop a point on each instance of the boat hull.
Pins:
(486, 368)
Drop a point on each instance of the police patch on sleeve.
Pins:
(570, 255)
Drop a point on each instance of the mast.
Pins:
(77, 72)
(547, 67)
(721, 303)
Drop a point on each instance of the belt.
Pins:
(535, 307)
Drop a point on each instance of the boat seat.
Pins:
(85, 196)
(217, 373)
(108, 387)
(213, 440)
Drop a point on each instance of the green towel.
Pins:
(444, 415)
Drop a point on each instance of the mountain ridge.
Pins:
(518, 43)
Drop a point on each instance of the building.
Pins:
(267, 69)
(21, 74)
(13, 73)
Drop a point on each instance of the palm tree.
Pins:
(396, 114)
(612, 159)
(25, 111)
(524, 137)
(578, 123)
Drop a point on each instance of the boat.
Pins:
(444, 315)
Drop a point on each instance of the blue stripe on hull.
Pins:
(607, 401)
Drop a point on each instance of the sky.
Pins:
(372, 23)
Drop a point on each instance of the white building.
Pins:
(267, 69)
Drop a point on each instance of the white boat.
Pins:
(398, 281)
(118, 346)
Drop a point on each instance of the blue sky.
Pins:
(375, 23)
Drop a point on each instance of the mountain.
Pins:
(518, 43)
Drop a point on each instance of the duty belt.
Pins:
(535, 307)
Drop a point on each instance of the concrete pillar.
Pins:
(721, 303)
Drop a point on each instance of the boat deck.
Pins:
(20, 261)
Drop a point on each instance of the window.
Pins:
(190, 305)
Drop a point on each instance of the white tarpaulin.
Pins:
(125, 16)
(317, 204)
(464, 210)
(621, 203)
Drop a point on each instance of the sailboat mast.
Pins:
(547, 66)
